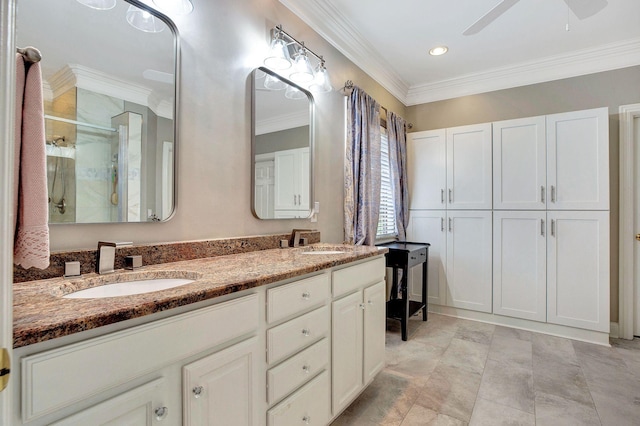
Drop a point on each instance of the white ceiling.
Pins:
(528, 44)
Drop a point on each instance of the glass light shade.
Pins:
(321, 82)
(302, 71)
(273, 83)
(175, 7)
(99, 4)
(143, 20)
(278, 57)
(293, 93)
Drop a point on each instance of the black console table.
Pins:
(402, 256)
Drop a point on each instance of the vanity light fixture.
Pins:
(143, 20)
(175, 7)
(438, 50)
(99, 4)
(302, 72)
(273, 83)
(294, 93)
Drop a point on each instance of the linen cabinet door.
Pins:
(578, 270)
(426, 167)
(375, 324)
(428, 226)
(469, 278)
(520, 264)
(469, 172)
(519, 164)
(222, 388)
(347, 335)
(578, 160)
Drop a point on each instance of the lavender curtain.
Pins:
(397, 135)
(362, 169)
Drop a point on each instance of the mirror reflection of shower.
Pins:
(57, 191)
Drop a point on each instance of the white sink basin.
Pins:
(323, 252)
(128, 288)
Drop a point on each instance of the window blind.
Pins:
(387, 218)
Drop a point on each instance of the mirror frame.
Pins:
(311, 142)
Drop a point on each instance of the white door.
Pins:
(346, 351)
(519, 264)
(264, 187)
(286, 196)
(519, 164)
(221, 389)
(428, 226)
(303, 177)
(578, 269)
(426, 167)
(469, 173)
(469, 260)
(375, 322)
(578, 160)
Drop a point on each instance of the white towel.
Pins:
(31, 205)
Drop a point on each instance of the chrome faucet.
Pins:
(294, 240)
(106, 257)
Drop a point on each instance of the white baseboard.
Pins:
(614, 330)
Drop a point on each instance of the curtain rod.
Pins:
(348, 85)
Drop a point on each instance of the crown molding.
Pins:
(282, 122)
(74, 75)
(326, 20)
(581, 62)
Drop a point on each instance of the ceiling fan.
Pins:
(581, 8)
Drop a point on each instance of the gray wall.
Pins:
(214, 134)
(297, 137)
(610, 89)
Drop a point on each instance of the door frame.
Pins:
(7, 108)
(627, 186)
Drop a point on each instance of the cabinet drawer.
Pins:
(296, 370)
(294, 335)
(290, 299)
(61, 377)
(354, 277)
(308, 406)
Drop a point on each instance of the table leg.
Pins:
(405, 302)
(424, 290)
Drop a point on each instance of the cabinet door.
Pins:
(304, 174)
(286, 196)
(578, 269)
(519, 264)
(426, 167)
(346, 350)
(429, 227)
(375, 320)
(144, 406)
(519, 164)
(469, 173)
(469, 260)
(264, 187)
(578, 160)
(221, 389)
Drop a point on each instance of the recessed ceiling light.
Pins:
(438, 50)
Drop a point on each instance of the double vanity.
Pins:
(276, 336)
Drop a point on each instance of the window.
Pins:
(387, 219)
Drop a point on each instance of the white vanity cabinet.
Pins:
(358, 329)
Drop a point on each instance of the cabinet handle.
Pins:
(306, 332)
(161, 413)
(450, 227)
(197, 391)
(294, 199)
(542, 194)
(450, 195)
(306, 369)
(361, 306)
(306, 295)
(306, 420)
(369, 302)
(299, 199)
(553, 228)
(542, 227)
(442, 224)
(553, 194)
(442, 196)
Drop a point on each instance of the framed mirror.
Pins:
(110, 107)
(282, 147)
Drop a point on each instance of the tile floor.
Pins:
(459, 372)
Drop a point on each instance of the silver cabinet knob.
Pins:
(306, 295)
(306, 420)
(306, 332)
(197, 391)
(370, 302)
(161, 413)
(306, 368)
(361, 306)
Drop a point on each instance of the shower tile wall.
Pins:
(93, 157)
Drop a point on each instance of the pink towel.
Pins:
(30, 199)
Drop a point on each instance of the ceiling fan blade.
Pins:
(490, 16)
(586, 8)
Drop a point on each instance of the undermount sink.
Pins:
(118, 285)
(323, 252)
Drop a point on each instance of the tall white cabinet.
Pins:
(539, 251)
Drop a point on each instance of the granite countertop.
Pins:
(40, 312)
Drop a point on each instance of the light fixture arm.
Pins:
(289, 39)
